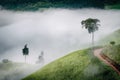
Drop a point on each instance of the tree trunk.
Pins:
(25, 58)
(93, 40)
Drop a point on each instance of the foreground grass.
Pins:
(79, 65)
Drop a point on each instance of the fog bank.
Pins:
(54, 31)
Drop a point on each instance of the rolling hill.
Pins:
(112, 51)
(115, 36)
(80, 65)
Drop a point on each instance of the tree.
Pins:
(112, 43)
(25, 51)
(91, 25)
(40, 58)
(6, 61)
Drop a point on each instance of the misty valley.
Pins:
(53, 44)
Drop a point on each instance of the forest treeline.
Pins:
(57, 3)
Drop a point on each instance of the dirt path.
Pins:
(107, 60)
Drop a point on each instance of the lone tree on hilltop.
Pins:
(91, 25)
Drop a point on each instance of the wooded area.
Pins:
(57, 3)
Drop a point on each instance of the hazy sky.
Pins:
(54, 31)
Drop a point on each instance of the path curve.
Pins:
(107, 60)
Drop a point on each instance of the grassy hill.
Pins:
(113, 51)
(82, 64)
(115, 36)
(79, 65)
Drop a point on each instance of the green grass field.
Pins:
(112, 51)
(82, 64)
(79, 65)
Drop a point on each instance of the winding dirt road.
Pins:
(107, 60)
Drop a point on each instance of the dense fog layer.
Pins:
(54, 31)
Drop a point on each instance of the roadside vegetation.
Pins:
(113, 52)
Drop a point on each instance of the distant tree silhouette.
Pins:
(91, 25)
(40, 58)
(112, 43)
(6, 61)
(25, 51)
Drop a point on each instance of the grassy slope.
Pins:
(112, 51)
(115, 36)
(79, 65)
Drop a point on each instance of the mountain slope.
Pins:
(115, 36)
(79, 65)
(112, 51)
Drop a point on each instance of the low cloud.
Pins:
(54, 31)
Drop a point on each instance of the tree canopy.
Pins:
(56, 3)
(90, 24)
